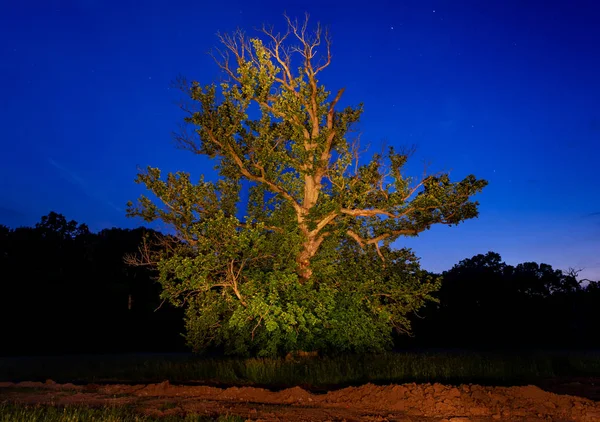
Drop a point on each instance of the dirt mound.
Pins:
(408, 402)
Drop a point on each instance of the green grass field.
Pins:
(316, 374)
(26, 413)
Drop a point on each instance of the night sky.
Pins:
(506, 90)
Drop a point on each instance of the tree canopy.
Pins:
(307, 263)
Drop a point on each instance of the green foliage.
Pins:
(371, 299)
(310, 266)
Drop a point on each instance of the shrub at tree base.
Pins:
(310, 265)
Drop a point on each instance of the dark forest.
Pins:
(68, 290)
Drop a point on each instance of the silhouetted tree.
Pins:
(487, 303)
(4, 242)
(55, 225)
(65, 289)
(541, 280)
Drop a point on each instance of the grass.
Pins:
(28, 413)
(447, 367)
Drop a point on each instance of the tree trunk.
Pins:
(312, 188)
(309, 249)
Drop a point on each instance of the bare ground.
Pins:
(407, 402)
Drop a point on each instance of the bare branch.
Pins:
(324, 222)
(161, 304)
(281, 55)
(256, 326)
(379, 251)
(233, 276)
(331, 135)
(328, 59)
(355, 236)
(261, 179)
(143, 258)
(367, 212)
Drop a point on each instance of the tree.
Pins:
(75, 285)
(472, 309)
(541, 280)
(5, 232)
(56, 225)
(484, 302)
(310, 265)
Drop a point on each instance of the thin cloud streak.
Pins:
(78, 181)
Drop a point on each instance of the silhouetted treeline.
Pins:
(485, 303)
(67, 290)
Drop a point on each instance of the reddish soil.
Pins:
(408, 402)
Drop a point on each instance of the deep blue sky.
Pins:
(508, 90)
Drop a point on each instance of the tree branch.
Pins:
(367, 212)
(324, 222)
(234, 278)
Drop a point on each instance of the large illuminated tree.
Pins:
(307, 262)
